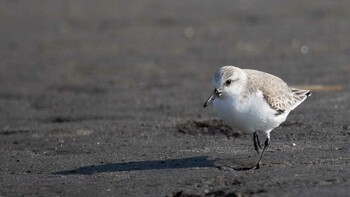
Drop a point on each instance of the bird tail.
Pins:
(300, 95)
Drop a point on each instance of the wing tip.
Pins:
(308, 93)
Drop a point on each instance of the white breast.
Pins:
(248, 114)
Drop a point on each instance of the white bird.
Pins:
(253, 101)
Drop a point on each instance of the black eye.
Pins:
(228, 82)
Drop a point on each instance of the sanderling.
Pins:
(253, 101)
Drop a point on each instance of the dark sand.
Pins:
(105, 99)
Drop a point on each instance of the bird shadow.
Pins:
(191, 162)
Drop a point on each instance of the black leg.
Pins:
(267, 142)
(257, 137)
(256, 140)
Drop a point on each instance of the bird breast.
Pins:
(248, 114)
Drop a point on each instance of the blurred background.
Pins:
(96, 47)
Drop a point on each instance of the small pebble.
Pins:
(293, 144)
(189, 32)
(304, 49)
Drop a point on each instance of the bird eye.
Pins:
(228, 82)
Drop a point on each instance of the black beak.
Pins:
(216, 93)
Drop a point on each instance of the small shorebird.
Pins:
(253, 101)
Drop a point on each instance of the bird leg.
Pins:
(256, 140)
(267, 142)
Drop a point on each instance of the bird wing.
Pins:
(277, 94)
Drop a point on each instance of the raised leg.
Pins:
(267, 143)
(256, 140)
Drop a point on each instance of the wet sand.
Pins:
(105, 99)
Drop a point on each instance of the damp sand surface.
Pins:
(105, 99)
